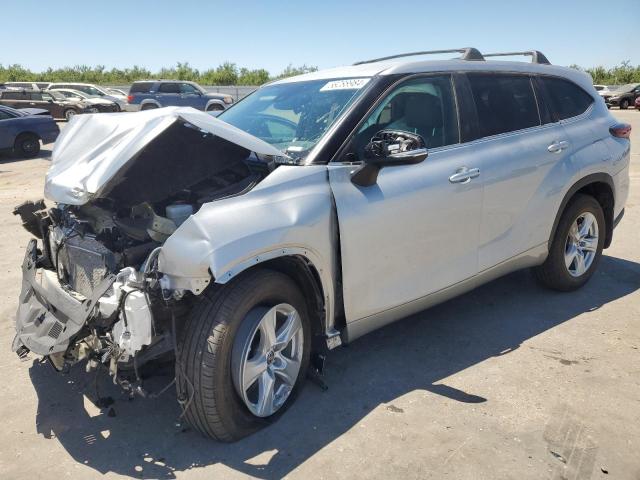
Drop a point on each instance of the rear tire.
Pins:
(206, 363)
(148, 106)
(27, 145)
(564, 270)
(215, 108)
(624, 104)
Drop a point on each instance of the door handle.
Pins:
(557, 147)
(464, 175)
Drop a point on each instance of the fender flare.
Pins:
(583, 182)
(148, 101)
(214, 102)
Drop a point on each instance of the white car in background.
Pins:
(603, 89)
(93, 90)
(100, 103)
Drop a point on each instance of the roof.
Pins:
(404, 66)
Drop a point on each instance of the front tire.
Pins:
(27, 145)
(576, 247)
(228, 358)
(624, 104)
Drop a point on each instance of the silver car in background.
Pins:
(93, 91)
(315, 210)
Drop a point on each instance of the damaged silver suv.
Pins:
(315, 210)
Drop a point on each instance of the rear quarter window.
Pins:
(566, 98)
(141, 87)
(14, 96)
(504, 103)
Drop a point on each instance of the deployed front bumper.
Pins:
(48, 315)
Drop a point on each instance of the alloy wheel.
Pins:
(581, 245)
(266, 363)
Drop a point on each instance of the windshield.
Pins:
(294, 116)
(56, 95)
(77, 93)
(89, 90)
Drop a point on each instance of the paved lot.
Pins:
(508, 381)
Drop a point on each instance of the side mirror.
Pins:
(389, 148)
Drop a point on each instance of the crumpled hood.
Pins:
(93, 148)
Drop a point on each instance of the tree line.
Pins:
(225, 74)
(618, 75)
(230, 74)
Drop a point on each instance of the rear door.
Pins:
(520, 149)
(415, 231)
(168, 94)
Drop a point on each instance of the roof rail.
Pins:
(468, 53)
(536, 56)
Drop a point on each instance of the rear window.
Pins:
(505, 103)
(141, 87)
(169, 88)
(567, 99)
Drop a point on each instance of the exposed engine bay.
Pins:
(91, 286)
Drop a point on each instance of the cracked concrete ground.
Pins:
(508, 381)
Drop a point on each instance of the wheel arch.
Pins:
(25, 133)
(601, 187)
(150, 101)
(305, 274)
(214, 102)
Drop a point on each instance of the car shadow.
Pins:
(145, 438)
(8, 156)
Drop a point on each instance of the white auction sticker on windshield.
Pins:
(346, 84)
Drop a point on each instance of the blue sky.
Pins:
(272, 34)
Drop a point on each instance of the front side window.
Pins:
(37, 96)
(424, 106)
(505, 103)
(293, 116)
(567, 99)
(188, 88)
(5, 115)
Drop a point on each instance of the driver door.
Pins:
(415, 231)
(190, 97)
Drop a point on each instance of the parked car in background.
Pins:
(623, 96)
(21, 131)
(637, 103)
(55, 103)
(318, 209)
(116, 91)
(145, 95)
(29, 85)
(601, 89)
(100, 103)
(93, 90)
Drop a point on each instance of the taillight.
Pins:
(620, 130)
(129, 98)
